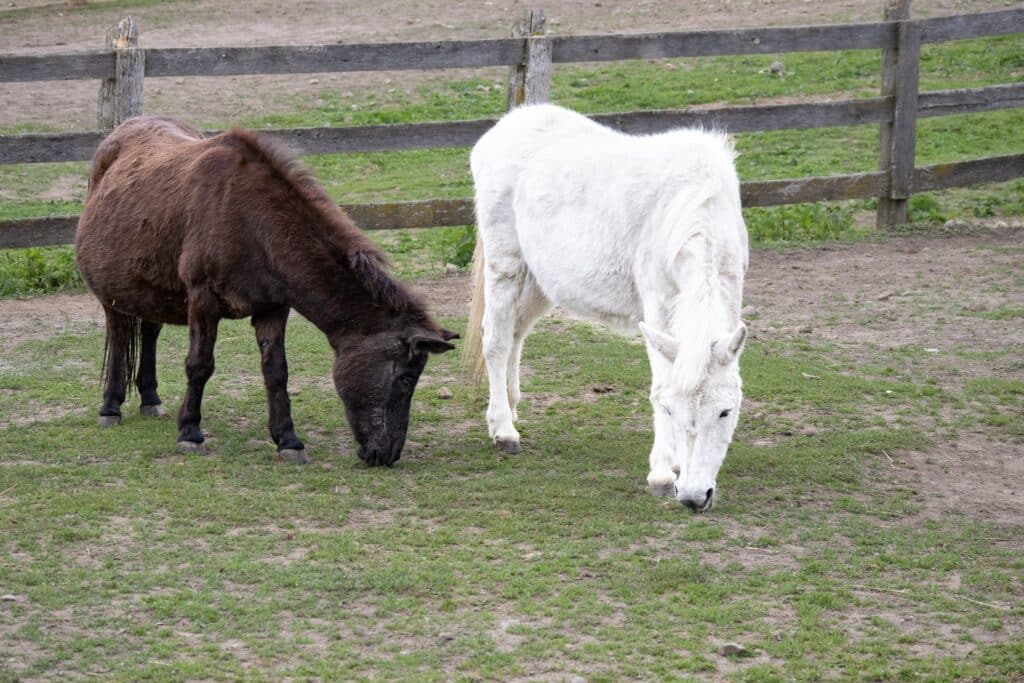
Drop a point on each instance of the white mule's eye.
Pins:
(667, 411)
(724, 413)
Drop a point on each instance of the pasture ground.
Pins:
(871, 524)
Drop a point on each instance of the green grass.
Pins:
(131, 561)
(38, 271)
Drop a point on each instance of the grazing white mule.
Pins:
(634, 231)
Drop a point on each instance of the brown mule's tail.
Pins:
(472, 346)
(128, 329)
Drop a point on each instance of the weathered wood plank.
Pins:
(48, 148)
(417, 214)
(816, 189)
(967, 100)
(753, 117)
(59, 67)
(333, 140)
(905, 114)
(537, 79)
(37, 232)
(530, 24)
(599, 48)
(234, 61)
(129, 74)
(961, 26)
(965, 173)
(890, 212)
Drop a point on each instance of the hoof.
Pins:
(662, 485)
(154, 410)
(508, 446)
(191, 447)
(293, 456)
(662, 489)
(109, 420)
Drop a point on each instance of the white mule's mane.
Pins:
(692, 324)
(701, 312)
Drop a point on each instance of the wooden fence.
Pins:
(530, 54)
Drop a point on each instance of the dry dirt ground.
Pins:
(869, 300)
(39, 27)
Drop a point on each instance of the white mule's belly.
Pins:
(578, 238)
(592, 282)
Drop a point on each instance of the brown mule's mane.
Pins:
(350, 245)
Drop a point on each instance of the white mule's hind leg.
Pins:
(500, 314)
(532, 306)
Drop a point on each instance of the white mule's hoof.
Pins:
(109, 420)
(191, 447)
(155, 410)
(293, 456)
(662, 488)
(508, 446)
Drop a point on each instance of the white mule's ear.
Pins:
(666, 345)
(733, 345)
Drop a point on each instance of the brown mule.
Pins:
(187, 230)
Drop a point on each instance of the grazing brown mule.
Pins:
(183, 229)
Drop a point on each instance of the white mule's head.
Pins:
(700, 404)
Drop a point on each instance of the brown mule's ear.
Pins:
(448, 335)
(429, 344)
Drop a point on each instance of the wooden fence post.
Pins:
(530, 81)
(897, 136)
(120, 97)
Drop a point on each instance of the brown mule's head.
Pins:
(375, 376)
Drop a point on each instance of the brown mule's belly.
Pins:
(130, 265)
(129, 239)
(123, 283)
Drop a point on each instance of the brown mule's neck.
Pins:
(344, 289)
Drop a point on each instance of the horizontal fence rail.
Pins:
(57, 147)
(237, 61)
(37, 232)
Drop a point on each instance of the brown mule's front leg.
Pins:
(203, 317)
(270, 329)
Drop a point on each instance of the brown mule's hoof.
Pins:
(293, 456)
(110, 420)
(508, 446)
(156, 410)
(191, 447)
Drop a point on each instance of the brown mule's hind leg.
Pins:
(119, 361)
(145, 380)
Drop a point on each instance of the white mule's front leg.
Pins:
(661, 480)
(499, 412)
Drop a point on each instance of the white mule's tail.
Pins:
(472, 345)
